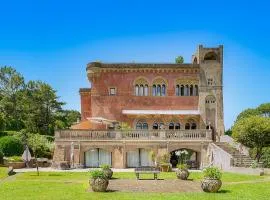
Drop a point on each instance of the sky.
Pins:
(53, 41)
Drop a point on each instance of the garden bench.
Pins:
(147, 170)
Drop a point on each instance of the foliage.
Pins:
(183, 155)
(11, 87)
(264, 109)
(125, 126)
(212, 173)
(34, 105)
(105, 166)
(1, 157)
(254, 164)
(94, 174)
(165, 158)
(253, 132)
(266, 157)
(40, 145)
(152, 156)
(11, 146)
(14, 159)
(247, 113)
(179, 60)
(228, 132)
(182, 166)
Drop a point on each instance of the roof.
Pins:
(83, 125)
(140, 65)
(161, 112)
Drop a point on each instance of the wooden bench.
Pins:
(147, 170)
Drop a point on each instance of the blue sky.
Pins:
(54, 40)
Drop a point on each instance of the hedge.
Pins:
(11, 146)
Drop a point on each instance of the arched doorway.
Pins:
(96, 157)
(185, 156)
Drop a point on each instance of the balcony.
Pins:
(114, 135)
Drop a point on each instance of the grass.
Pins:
(3, 172)
(67, 185)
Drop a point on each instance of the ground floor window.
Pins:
(185, 156)
(139, 157)
(97, 157)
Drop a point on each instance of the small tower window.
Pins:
(112, 91)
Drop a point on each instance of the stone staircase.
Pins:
(239, 159)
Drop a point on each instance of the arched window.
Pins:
(155, 126)
(146, 90)
(191, 91)
(145, 126)
(141, 90)
(158, 90)
(163, 90)
(141, 87)
(193, 126)
(154, 90)
(177, 126)
(139, 126)
(211, 56)
(182, 92)
(186, 91)
(161, 125)
(159, 87)
(196, 91)
(187, 126)
(171, 126)
(195, 61)
(137, 90)
(177, 90)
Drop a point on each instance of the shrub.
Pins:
(97, 174)
(182, 166)
(14, 159)
(11, 146)
(105, 166)
(212, 173)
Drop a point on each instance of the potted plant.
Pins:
(98, 181)
(165, 162)
(107, 171)
(182, 171)
(211, 181)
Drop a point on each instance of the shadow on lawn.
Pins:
(224, 191)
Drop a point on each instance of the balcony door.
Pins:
(139, 157)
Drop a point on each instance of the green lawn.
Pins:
(66, 185)
(3, 172)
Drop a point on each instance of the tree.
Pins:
(264, 109)
(11, 87)
(179, 60)
(66, 118)
(253, 132)
(228, 132)
(41, 104)
(248, 113)
(37, 143)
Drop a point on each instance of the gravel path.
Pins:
(154, 186)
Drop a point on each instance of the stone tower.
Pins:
(211, 88)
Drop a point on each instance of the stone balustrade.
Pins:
(88, 135)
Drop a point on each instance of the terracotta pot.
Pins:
(165, 168)
(99, 184)
(108, 173)
(182, 174)
(211, 185)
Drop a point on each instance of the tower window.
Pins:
(210, 81)
(112, 91)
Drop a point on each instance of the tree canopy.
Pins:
(32, 105)
(179, 60)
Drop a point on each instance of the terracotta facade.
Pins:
(179, 99)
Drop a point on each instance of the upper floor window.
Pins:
(141, 125)
(112, 91)
(141, 87)
(187, 90)
(159, 87)
(173, 126)
(210, 81)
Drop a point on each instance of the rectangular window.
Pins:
(112, 91)
(210, 81)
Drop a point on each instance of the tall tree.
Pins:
(11, 87)
(41, 103)
(179, 60)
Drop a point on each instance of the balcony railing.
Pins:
(197, 134)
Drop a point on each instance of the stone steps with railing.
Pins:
(239, 159)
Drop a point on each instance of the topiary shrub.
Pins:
(11, 146)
